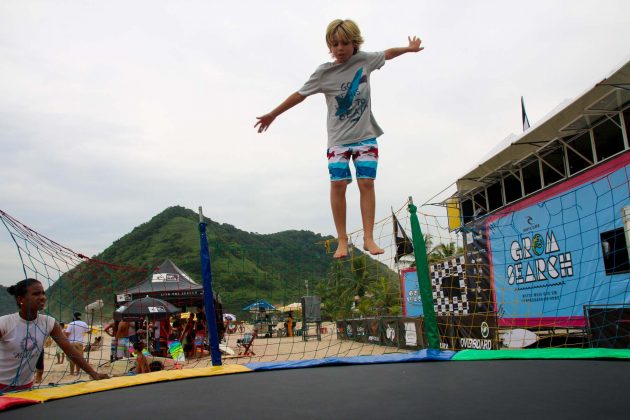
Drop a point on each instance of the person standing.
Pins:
(61, 356)
(110, 329)
(290, 324)
(76, 330)
(188, 336)
(122, 340)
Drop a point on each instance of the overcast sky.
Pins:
(111, 111)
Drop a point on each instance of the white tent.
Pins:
(292, 307)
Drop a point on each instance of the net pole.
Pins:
(424, 279)
(208, 295)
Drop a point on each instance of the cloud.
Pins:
(112, 111)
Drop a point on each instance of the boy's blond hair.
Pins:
(344, 30)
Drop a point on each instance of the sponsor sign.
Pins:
(390, 331)
(373, 329)
(123, 298)
(162, 277)
(411, 333)
(412, 302)
(156, 309)
(546, 255)
(478, 332)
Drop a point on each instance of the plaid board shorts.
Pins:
(364, 154)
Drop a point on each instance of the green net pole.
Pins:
(424, 279)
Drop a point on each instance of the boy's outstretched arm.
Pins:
(414, 46)
(265, 121)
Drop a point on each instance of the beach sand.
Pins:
(265, 349)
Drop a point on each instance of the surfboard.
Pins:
(518, 338)
(226, 350)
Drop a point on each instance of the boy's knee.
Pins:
(338, 186)
(365, 184)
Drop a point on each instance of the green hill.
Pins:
(245, 266)
(7, 302)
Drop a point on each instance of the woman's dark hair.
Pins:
(156, 366)
(19, 289)
(77, 315)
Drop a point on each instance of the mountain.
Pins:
(7, 302)
(245, 266)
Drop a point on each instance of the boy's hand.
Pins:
(264, 122)
(413, 47)
(414, 44)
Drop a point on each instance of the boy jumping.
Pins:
(352, 129)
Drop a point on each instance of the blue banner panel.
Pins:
(547, 253)
(412, 303)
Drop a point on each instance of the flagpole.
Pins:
(424, 279)
(208, 295)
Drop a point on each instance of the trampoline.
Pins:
(510, 389)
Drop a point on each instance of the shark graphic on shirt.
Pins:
(344, 103)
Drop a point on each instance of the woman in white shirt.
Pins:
(22, 337)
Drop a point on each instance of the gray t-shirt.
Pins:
(347, 90)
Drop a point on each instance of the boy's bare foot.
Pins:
(342, 249)
(371, 246)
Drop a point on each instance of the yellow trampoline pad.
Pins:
(45, 394)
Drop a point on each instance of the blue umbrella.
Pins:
(260, 304)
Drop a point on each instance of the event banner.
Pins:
(451, 289)
(397, 332)
(546, 252)
(353, 329)
(411, 333)
(409, 286)
(461, 305)
(477, 331)
(391, 332)
(374, 331)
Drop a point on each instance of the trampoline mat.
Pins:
(509, 389)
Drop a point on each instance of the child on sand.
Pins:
(200, 339)
(142, 365)
(352, 129)
(175, 348)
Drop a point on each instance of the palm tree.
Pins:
(384, 296)
(360, 275)
(338, 296)
(428, 242)
(445, 251)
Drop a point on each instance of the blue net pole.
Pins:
(208, 295)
